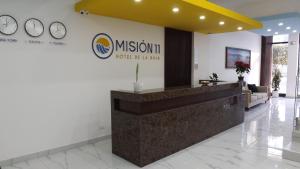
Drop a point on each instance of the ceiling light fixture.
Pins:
(137, 1)
(288, 28)
(240, 28)
(221, 23)
(280, 24)
(276, 33)
(294, 31)
(175, 9)
(202, 17)
(269, 30)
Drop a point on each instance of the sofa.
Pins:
(255, 98)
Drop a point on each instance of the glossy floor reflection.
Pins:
(256, 144)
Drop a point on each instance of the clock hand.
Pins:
(6, 22)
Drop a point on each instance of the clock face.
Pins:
(8, 25)
(34, 27)
(58, 30)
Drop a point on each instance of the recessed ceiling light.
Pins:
(288, 28)
(240, 28)
(202, 17)
(294, 31)
(280, 24)
(269, 30)
(137, 0)
(221, 23)
(175, 9)
(276, 33)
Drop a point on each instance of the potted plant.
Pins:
(137, 86)
(214, 78)
(241, 69)
(276, 82)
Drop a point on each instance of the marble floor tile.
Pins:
(255, 144)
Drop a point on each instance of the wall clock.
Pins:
(34, 27)
(8, 25)
(57, 30)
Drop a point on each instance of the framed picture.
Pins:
(235, 54)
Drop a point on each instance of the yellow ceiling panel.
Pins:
(159, 12)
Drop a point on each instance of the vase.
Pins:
(275, 94)
(241, 78)
(137, 86)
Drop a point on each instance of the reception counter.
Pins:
(150, 125)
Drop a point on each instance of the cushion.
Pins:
(260, 95)
(253, 98)
(252, 87)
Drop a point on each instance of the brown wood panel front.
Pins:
(178, 57)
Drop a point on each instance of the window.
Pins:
(280, 38)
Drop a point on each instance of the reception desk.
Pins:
(150, 125)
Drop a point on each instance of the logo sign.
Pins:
(103, 46)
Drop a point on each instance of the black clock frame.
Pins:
(16, 23)
(28, 32)
(53, 35)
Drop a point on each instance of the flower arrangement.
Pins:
(137, 85)
(242, 68)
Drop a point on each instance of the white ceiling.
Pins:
(260, 8)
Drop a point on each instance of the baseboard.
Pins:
(50, 151)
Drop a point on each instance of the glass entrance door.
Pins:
(280, 63)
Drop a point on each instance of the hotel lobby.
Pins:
(154, 84)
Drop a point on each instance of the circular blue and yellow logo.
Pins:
(103, 46)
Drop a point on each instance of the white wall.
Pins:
(53, 96)
(212, 54)
(201, 57)
(292, 64)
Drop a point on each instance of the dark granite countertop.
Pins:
(159, 94)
